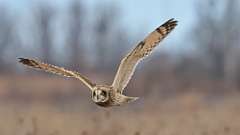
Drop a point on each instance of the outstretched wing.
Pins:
(56, 70)
(144, 48)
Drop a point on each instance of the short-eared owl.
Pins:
(105, 95)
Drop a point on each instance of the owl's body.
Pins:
(111, 95)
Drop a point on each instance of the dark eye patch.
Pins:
(104, 93)
(94, 93)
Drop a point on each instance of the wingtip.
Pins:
(173, 20)
(23, 61)
(20, 59)
(170, 24)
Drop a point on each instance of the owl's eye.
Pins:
(104, 93)
(94, 93)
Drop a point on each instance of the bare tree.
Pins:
(102, 29)
(6, 35)
(75, 37)
(119, 46)
(44, 17)
(216, 32)
(110, 41)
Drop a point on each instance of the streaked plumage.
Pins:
(144, 48)
(56, 70)
(105, 95)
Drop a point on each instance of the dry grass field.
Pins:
(191, 113)
(180, 117)
(189, 85)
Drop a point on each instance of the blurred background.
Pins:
(189, 85)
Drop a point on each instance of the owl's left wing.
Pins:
(143, 49)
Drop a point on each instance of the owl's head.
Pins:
(100, 95)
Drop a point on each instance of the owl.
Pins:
(112, 95)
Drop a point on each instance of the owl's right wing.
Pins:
(142, 50)
(56, 70)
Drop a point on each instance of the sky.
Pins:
(140, 16)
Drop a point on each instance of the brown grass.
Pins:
(178, 117)
(192, 113)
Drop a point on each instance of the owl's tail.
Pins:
(122, 99)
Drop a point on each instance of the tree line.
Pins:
(82, 42)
